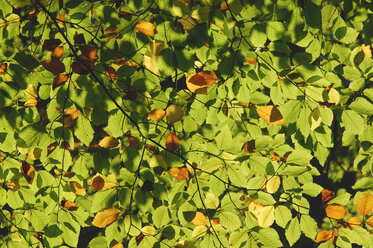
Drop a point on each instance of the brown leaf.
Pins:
(105, 217)
(274, 156)
(108, 142)
(28, 171)
(111, 73)
(78, 190)
(35, 153)
(271, 115)
(51, 44)
(323, 236)
(13, 186)
(57, 52)
(69, 117)
(111, 32)
(69, 174)
(172, 142)
(3, 68)
(179, 173)
(71, 206)
(354, 221)
(199, 219)
(249, 146)
(59, 80)
(157, 114)
(89, 52)
(31, 103)
(98, 183)
(51, 148)
(174, 113)
(53, 65)
(79, 39)
(199, 82)
(133, 142)
(327, 195)
(364, 204)
(335, 211)
(146, 28)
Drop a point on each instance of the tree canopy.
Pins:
(186, 123)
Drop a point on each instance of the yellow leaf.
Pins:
(335, 211)
(211, 201)
(266, 216)
(199, 82)
(71, 206)
(369, 221)
(199, 219)
(255, 208)
(323, 236)
(366, 50)
(315, 119)
(364, 204)
(35, 153)
(31, 92)
(13, 186)
(271, 115)
(78, 190)
(333, 96)
(185, 244)
(172, 142)
(146, 28)
(31, 103)
(354, 221)
(157, 114)
(273, 184)
(157, 160)
(150, 59)
(105, 217)
(108, 142)
(57, 52)
(174, 113)
(148, 230)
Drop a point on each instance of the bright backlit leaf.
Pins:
(105, 217)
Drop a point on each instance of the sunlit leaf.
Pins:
(364, 204)
(77, 188)
(266, 216)
(323, 236)
(146, 28)
(57, 52)
(28, 171)
(105, 217)
(354, 221)
(179, 173)
(108, 142)
(174, 113)
(71, 206)
(335, 211)
(148, 230)
(199, 219)
(157, 114)
(199, 82)
(271, 115)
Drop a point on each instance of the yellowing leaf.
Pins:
(211, 201)
(179, 173)
(57, 52)
(150, 59)
(364, 204)
(187, 22)
(78, 190)
(35, 153)
(185, 244)
(335, 211)
(98, 183)
(157, 160)
(366, 50)
(108, 142)
(13, 186)
(369, 221)
(271, 115)
(266, 216)
(59, 80)
(249, 146)
(333, 96)
(146, 28)
(255, 208)
(315, 119)
(354, 221)
(105, 217)
(111, 73)
(148, 230)
(31, 92)
(273, 184)
(323, 236)
(251, 61)
(172, 142)
(157, 114)
(28, 171)
(71, 206)
(199, 219)
(101, 182)
(174, 113)
(31, 103)
(327, 195)
(199, 82)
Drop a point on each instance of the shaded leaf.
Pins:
(89, 52)
(57, 52)
(172, 142)
(51, 44)
(108, 142)
(174, 113)
(156, 114)
(53, 65)
(199, 82)
(59, 80)
(271, 115)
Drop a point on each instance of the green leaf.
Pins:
(352, 121)
(308, 226)
(83, 130)
(229, 220)
(299, 157)
(268, 237)
(161, 217)
(103, 199)
(292, 231)
(312, 189)
(362, 106)
(282, 215)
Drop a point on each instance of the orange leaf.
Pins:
(364, 204)
(111, 73)
(327, 195)
(251, 61)
(179, 173)
(369, 221)
(53, 65)
(69, 117)
(98, 183)
(78, 190)
(274, 156)
(271, 115)
(28, 171)
(13, 186)
(71, 206)
(31, 103)
(108, 142)
(59, 80)
(51, 44)
(3, 68)
(146, 28)
(133, 142)
(172, 142)
(157, 114)
(255, 207)
(323, 236)
(89, 52)
(57, 52)
(335, 211)
(105, 217)
(199, 82)
(249, 146)
(199, 219)
(223, 6)
(354, 221)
